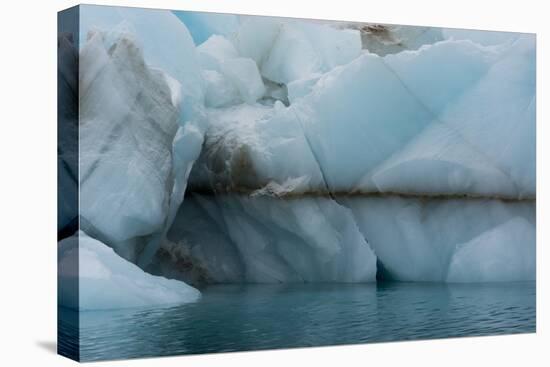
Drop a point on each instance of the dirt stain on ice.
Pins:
(246, 190)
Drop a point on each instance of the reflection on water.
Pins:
(236, 318)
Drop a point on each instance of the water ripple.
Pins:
(236, 318)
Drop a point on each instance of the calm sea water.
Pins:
(236, 318)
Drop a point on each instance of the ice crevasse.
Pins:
(275, 150)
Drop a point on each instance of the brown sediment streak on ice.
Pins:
(188, 268)
(207, 191)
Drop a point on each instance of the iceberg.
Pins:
(106, 281)
(139, 104)
(263, 150)
(418, 181)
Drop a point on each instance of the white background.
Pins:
(28, 183)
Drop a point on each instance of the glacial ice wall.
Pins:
(266, 239)
(423, 239)
(261, 150)
(237, 238)
(431, 149)
(375, 120)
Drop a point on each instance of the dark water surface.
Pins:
(236, 318)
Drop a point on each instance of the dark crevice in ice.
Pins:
(68, 230)
(327, 189)
(382, 274)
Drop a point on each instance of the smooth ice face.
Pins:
(497, 116)
(458, 169)
(107, 281)
(505, 253)
(418, 239)
(236, 238)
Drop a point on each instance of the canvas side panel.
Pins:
(67, 181)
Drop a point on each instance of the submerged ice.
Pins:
(267, 150)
